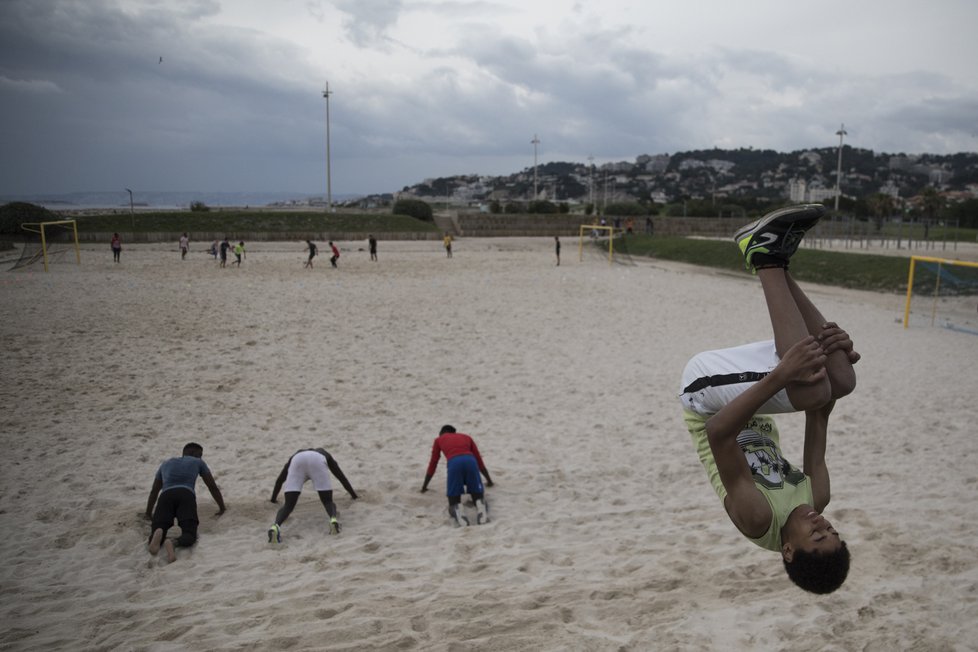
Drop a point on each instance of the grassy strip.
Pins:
(848, 270)
(235, 221)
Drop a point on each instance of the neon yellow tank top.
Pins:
(784, 486)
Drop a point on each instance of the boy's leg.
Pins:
(454, 485)
(156, 540)
(326, 498)
(187, 519)
(163, 517)
(789, 329)
(767, 244)
(455, 510)
(842, 376)
(291, 498)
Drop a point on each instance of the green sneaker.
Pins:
(275, 534)
(334, 526)
(777, 234)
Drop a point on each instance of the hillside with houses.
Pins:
(725, 180)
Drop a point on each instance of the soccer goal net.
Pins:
(942, 293)
(598, 233)
(48, 242)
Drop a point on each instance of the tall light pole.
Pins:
(838, 171)
(132, 216)
(329, 180)
(535, 141)
(590, 167)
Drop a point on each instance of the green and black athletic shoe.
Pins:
(275, 534)
(334, 526)
(776, 236)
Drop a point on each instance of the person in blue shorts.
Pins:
(464, 465)
(729, 395)
(174, 486)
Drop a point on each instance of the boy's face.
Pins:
(809, 531)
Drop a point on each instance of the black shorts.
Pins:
(180, 504)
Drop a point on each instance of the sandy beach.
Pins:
(605, 533)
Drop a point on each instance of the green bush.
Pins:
(199, 207)
(626, 209)
(541, 206)
(14, 214)
(414, 208)
(513, 207)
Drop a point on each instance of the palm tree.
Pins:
(932, 202)
(880, 205)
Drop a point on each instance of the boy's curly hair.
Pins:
(819, 572)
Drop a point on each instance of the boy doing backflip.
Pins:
(728, 396)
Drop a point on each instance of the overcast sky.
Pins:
(436, 88)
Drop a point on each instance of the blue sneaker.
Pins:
(777, 234)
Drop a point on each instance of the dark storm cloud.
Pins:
(85, 98)
(85, 102)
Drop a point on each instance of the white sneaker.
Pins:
(461, 520)
(482, 512)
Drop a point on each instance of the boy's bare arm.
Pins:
(816, 429)
(153, 495)
(215, 492)
(747, 508)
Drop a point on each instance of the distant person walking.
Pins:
(557, 249)
(184, 246)
(372, 244)
(225, 245)
(116, 247)
(311, 248)
(336, 254)
(239, 253)
(214, 247)
(447, 240)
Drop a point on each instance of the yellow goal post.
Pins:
(594, 229)
(41, 228)
(940, 273)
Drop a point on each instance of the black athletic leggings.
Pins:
(292, 497)
(455, 500)
(179, 504)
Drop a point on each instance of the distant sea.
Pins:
(148, 199)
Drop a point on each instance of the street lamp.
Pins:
(535, 141)
(132, 216)
(590, 166)
(838, 171)
(329, 181)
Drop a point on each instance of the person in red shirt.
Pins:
(464, 464)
